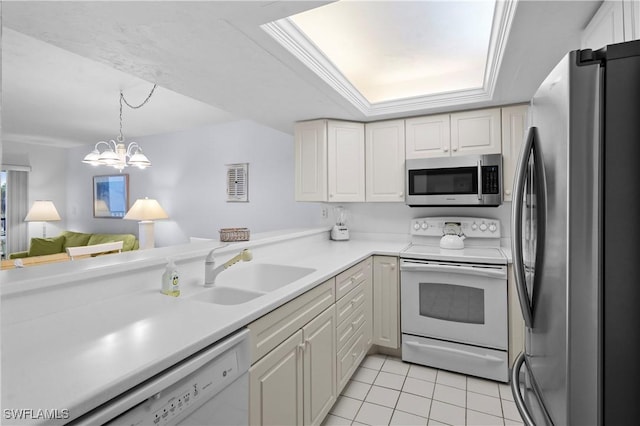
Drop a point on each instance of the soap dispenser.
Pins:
(170, 280)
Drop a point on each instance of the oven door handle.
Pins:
(467, 270)
(490, 358)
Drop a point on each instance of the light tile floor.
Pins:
(386, 391)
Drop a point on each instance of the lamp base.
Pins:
(145, 234)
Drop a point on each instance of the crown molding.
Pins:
(285, 32)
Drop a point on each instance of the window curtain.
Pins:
(17, 208)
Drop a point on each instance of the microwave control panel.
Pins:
(490, 180)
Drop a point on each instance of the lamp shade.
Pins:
(146, 209)
(42, 211)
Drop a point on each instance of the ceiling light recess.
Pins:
(366, 37)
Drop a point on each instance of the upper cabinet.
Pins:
(616, 21)
(428, 136)
(329, 161)
(514, 127)
(475, 132)
(461, 133)
(310, 152)
(384, 148)
(345, 148)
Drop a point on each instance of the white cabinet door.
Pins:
(475, 132)
(276, 385)
(384, 148)
(310, 150)
(386, 318)
(319, 366)
(428, 136)
(514, 128)
(606, 26)
(345, 146)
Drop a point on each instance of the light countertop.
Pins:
(82, 345)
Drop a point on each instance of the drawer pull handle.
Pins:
(358, 299)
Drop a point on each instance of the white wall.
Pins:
(47, 179)
(188, 180)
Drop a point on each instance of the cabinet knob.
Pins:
(445, 149)
(454, 149)
(401, 194)
(507, 191)
(330, 195)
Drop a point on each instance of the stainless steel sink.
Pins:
(225, 296)
(261, 277)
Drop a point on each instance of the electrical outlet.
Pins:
(325, 213)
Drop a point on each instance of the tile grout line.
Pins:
(435, 383)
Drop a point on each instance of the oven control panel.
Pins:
(470, 227)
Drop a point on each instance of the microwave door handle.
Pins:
(516, 230)
(479, 179)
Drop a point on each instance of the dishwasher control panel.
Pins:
(174, 403)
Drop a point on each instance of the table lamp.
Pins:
(42, 211)
(146, 211)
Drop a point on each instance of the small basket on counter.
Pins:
(234, 234)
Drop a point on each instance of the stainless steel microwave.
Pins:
(474, 180)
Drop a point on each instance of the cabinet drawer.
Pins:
(353, 276)
(269, 331)
(349, 327)
(349, 303)
(349, 358)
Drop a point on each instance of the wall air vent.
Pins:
(238, 182)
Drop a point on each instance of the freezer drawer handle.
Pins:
(515, 389)
(455, 351)
(450, 269)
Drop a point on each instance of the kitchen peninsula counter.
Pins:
(78, 334)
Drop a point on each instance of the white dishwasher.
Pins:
(209, 388)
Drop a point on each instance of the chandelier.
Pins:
(115, 153)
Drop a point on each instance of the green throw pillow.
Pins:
(75, 239)
(128, 240)
(44, 246)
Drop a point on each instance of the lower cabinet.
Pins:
(386, 302)
(276, 385)
(319, 367)
(354, 320)
(304, 352)
(294, 383)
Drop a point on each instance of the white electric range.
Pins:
(454, 301)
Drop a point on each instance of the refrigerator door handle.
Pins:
(517, 395)
(516, 231)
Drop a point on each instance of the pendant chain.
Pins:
(122, 99)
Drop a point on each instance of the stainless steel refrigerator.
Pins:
(575, 236)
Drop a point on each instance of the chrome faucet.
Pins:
(211, 271)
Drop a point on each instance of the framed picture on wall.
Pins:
(110, 196)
